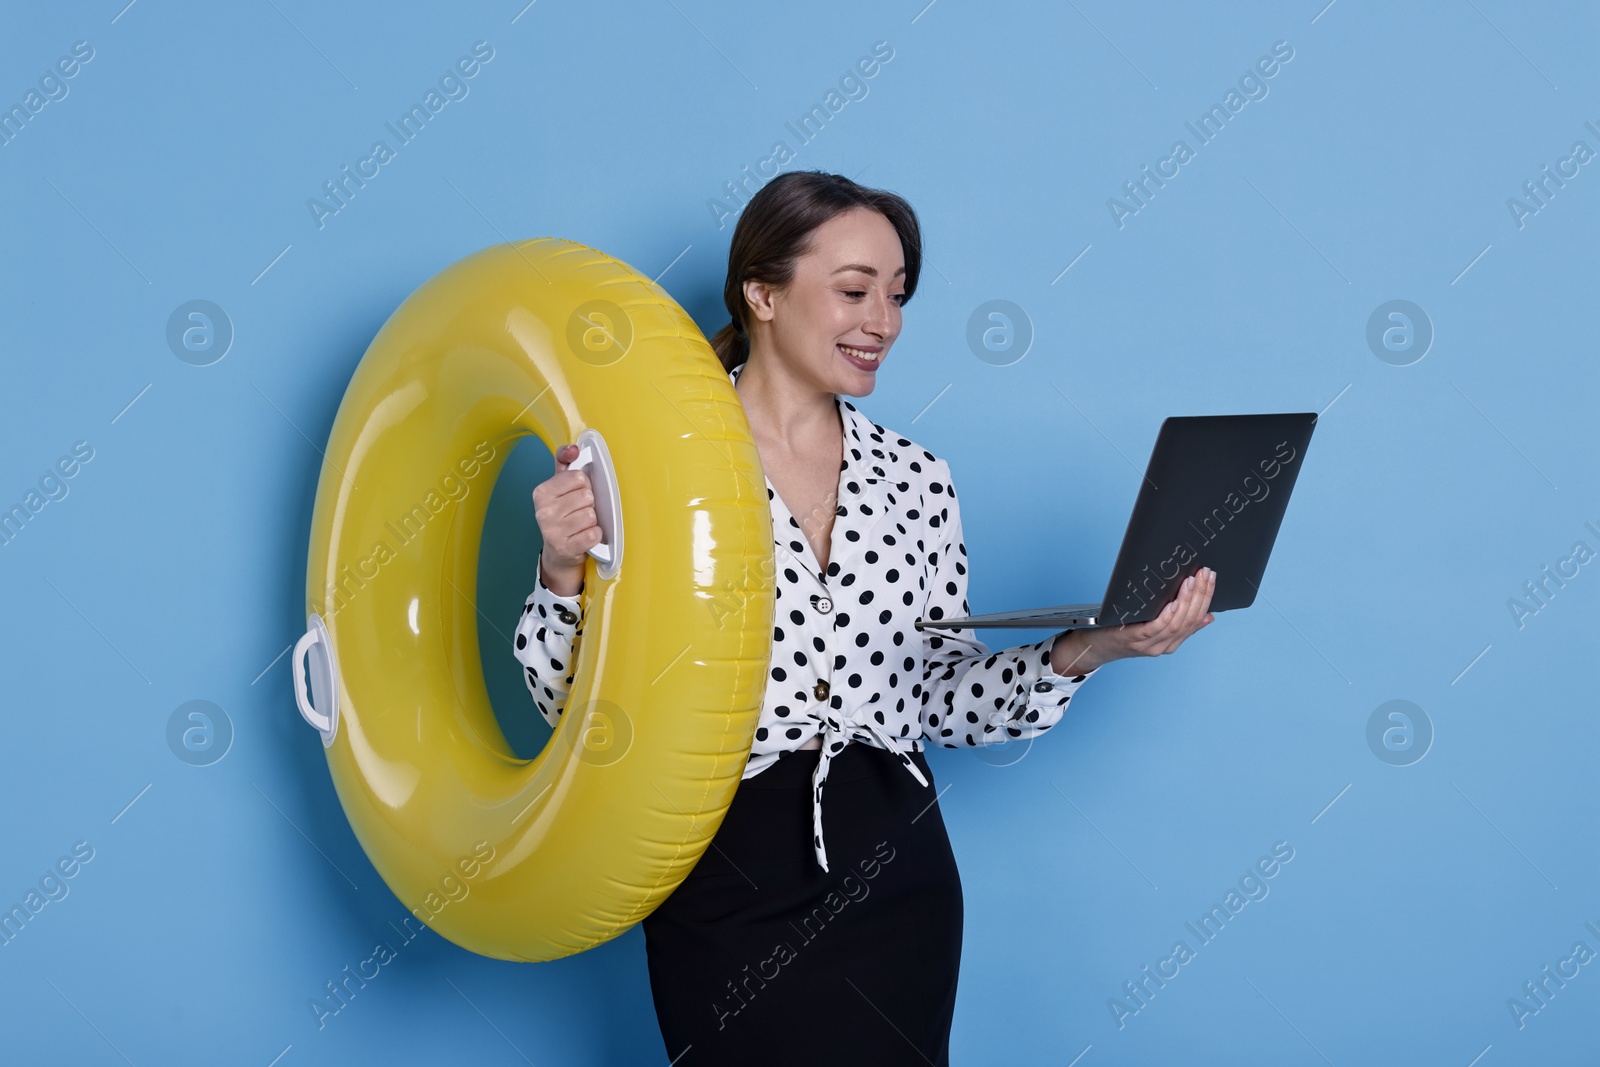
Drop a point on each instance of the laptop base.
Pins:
(1078, 615)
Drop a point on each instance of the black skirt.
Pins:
(760, 956)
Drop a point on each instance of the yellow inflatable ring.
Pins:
(537, 859)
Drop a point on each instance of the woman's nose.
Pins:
(880, 318)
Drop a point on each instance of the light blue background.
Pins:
(1377, 168)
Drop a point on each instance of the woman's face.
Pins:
(834, 323)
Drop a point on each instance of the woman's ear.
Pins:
(758, 296)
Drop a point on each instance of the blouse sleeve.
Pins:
(544, 641)
(971, 696)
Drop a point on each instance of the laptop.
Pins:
(1214, 495)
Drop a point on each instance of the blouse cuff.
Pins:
(1049, 693)
(561, 615)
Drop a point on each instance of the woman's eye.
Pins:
(855, 292)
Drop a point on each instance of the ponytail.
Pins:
(731, 346)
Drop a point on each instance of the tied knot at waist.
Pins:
(836, 734)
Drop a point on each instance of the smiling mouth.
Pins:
(859, 356)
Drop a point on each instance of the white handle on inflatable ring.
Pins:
(596, 458)
(324, 692)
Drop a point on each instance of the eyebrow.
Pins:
(865, 269)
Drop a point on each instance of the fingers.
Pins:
(1194, 602)
(1172, 630)
(1203, 611)
(579, 521)
(1148, 638)
(564, 508)
(1172, 616)
(1188, 604)
(569, 489)
(1156, 629)
(1180, 617)
(1199, 598)
(550, 495)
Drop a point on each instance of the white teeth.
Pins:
(869, 356)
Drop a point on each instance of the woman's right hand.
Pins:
(563, 506)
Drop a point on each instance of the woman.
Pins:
(812, 933)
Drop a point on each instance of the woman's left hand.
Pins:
(1079, 651)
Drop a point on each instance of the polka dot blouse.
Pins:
(847, 662)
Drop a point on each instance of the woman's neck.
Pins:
(789, 412)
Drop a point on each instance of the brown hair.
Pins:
(774, 231)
